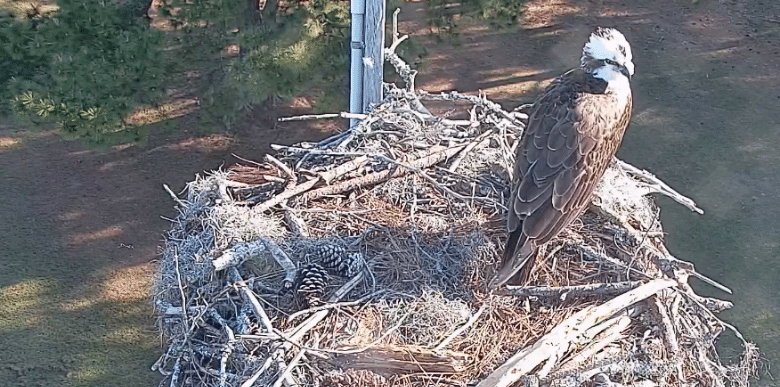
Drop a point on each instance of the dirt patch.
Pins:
(81, 228)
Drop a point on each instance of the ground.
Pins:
(81, 228)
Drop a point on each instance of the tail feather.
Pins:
(517, 261)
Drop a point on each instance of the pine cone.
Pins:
(336, 259)
(329, 254)
(353, 378)
(352, 265)
(311, 287)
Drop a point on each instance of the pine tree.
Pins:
(285, 49)
(84, 66)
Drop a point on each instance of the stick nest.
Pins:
(362, 260)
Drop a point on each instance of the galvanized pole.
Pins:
(372, 58)
(358, 11)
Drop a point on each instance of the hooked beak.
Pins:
(624, 70)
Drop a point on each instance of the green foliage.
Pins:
(288, 49)
(85, 67)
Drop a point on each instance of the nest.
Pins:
(362, 260)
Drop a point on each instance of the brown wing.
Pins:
(570, 139)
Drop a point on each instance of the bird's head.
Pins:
(607, 50)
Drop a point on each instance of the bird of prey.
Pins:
(573, 131)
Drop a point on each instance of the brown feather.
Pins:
(572, 135)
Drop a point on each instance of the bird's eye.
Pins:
(610, 62)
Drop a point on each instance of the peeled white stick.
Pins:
(555, 344)
(237, 254)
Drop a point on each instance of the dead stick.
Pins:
(342, 169)
(378, 177)
(553, 345)
(287, 171)
(287, 194)
(477, 141)
(173, 195)
(669, 334)
(251, 381)
(324, 116)
(476, 100)
(571, 291)
(248, 295)
(397, 39)
(238, 254)
(295, 223)
(460, 330)
(331, 306)
(288, 370)
(227, 350)
(181, 288)
(296, 333)
(659, 186)
(301, 188)
(283, 260)
(610, 335)
(176, 371)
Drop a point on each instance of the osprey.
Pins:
(573, 131)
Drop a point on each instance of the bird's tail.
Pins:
(517, 262)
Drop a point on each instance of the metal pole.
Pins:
(373, 60)
(358, 11)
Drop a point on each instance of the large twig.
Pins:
(301, 188)
(479, 141)
(174, 197)
(181, 288)
(251, 381)
(238, 254)
(331, 306)
(287, 171)
(293, 363)
(227, 350)
(295, 223)
(416, 165)
(397, 39)
(562, 292)
(554, 345)
(609, 335)
(658, 186)
(283, 260)
(356, 116)
(235, 277)
(460, 330)
(295, 334)
(287, 194)
(476, 100)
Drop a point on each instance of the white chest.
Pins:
(617, 83)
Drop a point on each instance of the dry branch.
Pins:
(249, 296)
(658, 186)
(379, 177)
(552, 346)
(460, 330)
(237, 254)
(356, 116)
(564, 292)
(393, 360)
